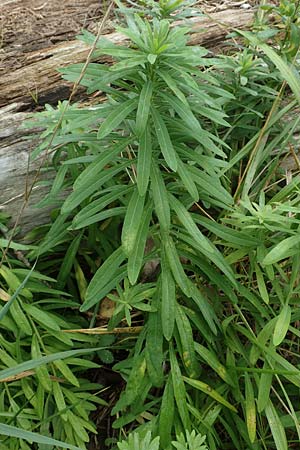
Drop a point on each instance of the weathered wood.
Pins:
(16, 169)
(37, 79)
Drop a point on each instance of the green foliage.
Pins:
(136, 443)
(173, 203)
(193, 441)
(42, 387)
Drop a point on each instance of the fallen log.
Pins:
(17, 172)
(38, 81)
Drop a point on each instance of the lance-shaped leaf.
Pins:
(160, 198)
(282, 324)
(283, 250)
(102, 277)
(135, 259)
(168, 298)
(117, 116)
(250, 409)
(144, 161)
(132, 221)
(276, 426)
(164, 140)
(8, 430)
(143, 107)
(209, 391)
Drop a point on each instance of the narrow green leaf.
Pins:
(19, 289)
(102, 277)
(176, 266)
(41, 371)
(184, 111)
(250, 409)
(205, 307)
(91, 186)
(209, 391)
(20, 318)
(276, 427)
(93, 170)
(188, 223)
(212, 360)
(172, 85)
(42, 317)
(129, 63)
(8, 430)
(264, 388)
(144, 161)
(154, 349)
(37, 362)
(187, 343)
(187, 180)
(179, 390)
(109, 195)
(166, 415)
(68, 261)
(168, 299)
(135, 259)
(144, 107)
(211, 186)
(15, 245)
(282, 325)
(59, 399)
(282, 250)
(160, 198)
(286, 70)
(117, 116)
(261, 284)
(66, 372)
(132, 222)
(164, 140)
(135, 378)
(97, 218)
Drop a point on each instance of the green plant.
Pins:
(53, 399)
(285, 26)
(162, 9)
(193, 441)
(134, 442)
(182, 214)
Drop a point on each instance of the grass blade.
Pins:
(7, 305)
(33, 363)
(276, 427)
(8, 430)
